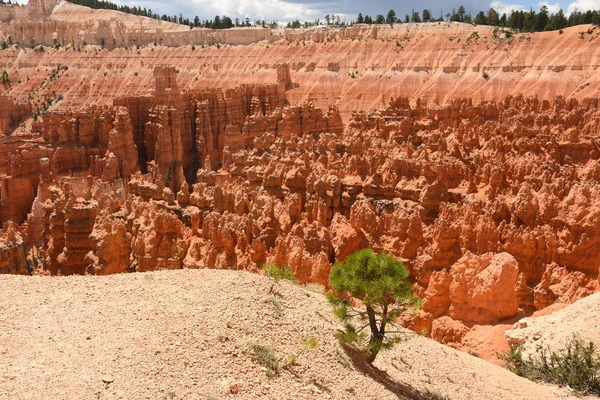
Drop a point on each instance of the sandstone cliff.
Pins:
(12, 250)
(357, 68)
(291, 156)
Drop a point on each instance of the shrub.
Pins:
(308, 344)
(272, 364)
(576, 366)
(277, 274)
(379, 281)
(267, 359)
(485, 75)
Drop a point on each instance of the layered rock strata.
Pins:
(490, 203)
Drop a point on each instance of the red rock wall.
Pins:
(12, 251)
(11, 114)
(491, 205)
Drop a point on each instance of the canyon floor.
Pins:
(188, 335)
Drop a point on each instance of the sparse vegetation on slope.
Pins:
(277, 273)
(188, 334)
(576, 366)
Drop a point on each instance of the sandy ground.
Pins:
(553, 330)
(188, 335)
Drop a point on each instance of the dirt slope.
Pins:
(554, 329)
(186, 334)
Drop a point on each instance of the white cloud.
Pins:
(268, 10)
(552, 8)
(264, 9)
(503, 8)
(583, 5)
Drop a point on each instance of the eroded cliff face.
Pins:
(51, 22)
(12, 250)
(491, 203)
(357, 68)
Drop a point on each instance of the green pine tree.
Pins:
(379, 281)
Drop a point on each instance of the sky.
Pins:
(288, 10)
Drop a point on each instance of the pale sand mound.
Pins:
(186, 334)
(580, 318)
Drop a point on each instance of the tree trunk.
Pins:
(376, 337)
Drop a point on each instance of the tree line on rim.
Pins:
(525, 21)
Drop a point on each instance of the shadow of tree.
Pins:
(402, 390)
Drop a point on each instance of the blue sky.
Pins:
(286, 10)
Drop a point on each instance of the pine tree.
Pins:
(379, 281)
(391, 17)
(426, 15)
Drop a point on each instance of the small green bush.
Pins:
(277, 274)
(576, 366)
(267, 359)
(272, 364)
(308, 344)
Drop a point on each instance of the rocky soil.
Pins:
(187, 335)
(558, 326)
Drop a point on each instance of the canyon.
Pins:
(472, 154)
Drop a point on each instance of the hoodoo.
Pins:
(471, 153)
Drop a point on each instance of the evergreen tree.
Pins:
(480, 18)
(461, 13)
(391, 17)
(379, 281)
(426, 15)
(492, 17)
(541, 19)
(216, 24)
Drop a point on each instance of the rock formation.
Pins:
(12, 250)
(489, 200)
